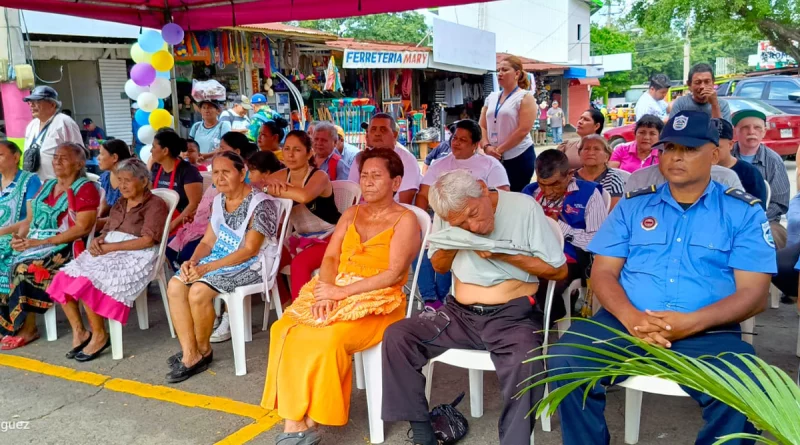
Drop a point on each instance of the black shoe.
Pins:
(82, 357)
(74, 351)
(785, 299)
(180, 372)
(307, 437)
(174, 359)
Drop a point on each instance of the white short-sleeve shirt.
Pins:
(411, 172)
(480, 166)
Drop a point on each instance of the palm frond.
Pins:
(765, 394)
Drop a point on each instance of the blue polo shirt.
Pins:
(683, 260)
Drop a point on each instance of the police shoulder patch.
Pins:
(642, 191)
(743, 196)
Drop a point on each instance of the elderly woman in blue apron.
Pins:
(17, 187)
(243, 222)
(62, 214)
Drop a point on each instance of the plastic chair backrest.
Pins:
(769, 194)
(102, 193)
(607, 200)
(171, 198)
(93, 177)
(207, 180)
(285, 211)
(549, 303)
(424, 221)
(624, 174)
(346, 194)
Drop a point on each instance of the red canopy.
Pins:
(208, 14)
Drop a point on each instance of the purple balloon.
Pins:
(172, 33)
(143, 74)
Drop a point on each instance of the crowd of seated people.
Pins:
(485, 270)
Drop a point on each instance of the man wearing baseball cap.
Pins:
(750, 127)
(680, 265)
(94, 131)
(237, 115)
(46, 131)
(262, 114)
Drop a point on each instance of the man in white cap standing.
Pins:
(237, 115)
(46, 132)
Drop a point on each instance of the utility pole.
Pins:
(687, 51)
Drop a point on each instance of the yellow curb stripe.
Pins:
(250, 432)
(31, 365)
(184, 398)
(144, 390)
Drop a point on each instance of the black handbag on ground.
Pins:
(449, 424)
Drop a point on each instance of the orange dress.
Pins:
(309, 371)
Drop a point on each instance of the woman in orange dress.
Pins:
(357, 295)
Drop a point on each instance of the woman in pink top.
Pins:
(640, 153)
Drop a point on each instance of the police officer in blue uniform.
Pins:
(578, 207)
(680, 266)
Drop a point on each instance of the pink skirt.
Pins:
(65, 288)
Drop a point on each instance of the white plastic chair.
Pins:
(171, 198)
(769, 194)
(625, 175)
(479, 361)
(239, 302)
(607, 200)
(370, 359)
(637, 385)
(346, 194)
(50, 328)
(207, 180)
(93, 177)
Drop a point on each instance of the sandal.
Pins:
(12, 342)
(307, 437)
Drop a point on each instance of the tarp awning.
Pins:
(209, 14)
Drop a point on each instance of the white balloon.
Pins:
(161, 87)
(146, 134)
(147, 102)
(133, 91)
(145, 153)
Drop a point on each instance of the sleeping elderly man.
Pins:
(497, 244)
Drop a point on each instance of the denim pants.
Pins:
(557, 133)
(432, 286)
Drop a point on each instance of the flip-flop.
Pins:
(16, 342)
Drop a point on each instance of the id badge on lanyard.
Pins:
(494, 137)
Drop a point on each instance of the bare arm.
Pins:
(203, 249)
(422, 197)
(527, 116)
(746, 302)
(330, 262)
(84, 223)
(134, 244)
(442, 260)
(484, 131)
(614, 164)
(194, 192)
(317, 185)
(605, 283)
(533, 265)
(406, 196)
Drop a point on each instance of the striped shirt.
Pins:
(610, 180)
(771, 167)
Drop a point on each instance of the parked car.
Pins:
(783, 129)
(774, 90)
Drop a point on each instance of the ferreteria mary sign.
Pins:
(354, 58)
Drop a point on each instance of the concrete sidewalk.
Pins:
(118, 403)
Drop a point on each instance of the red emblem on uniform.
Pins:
(649, 223)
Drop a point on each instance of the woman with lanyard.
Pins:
(507, 121)
(209, 131)
(169, 171)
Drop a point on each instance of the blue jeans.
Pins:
(433, 286)
(584, 423)
(557, 133)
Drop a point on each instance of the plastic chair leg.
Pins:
(358, 363)
(373, 378)
(50, 324)
(236, 317)
(162, 287)
(476, 393)
(427, 371)
(142, 310)
(775, 296)
(115, 331)
(248, 318)
(545, 419)
(633, 413)
(218, 306)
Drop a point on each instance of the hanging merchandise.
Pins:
(332, 80)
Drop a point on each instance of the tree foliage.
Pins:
(403, 27)
(611, 40)
(776, 20)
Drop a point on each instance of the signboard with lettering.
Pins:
(354, 58)
(769, 57)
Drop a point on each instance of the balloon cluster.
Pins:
(150, 82)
